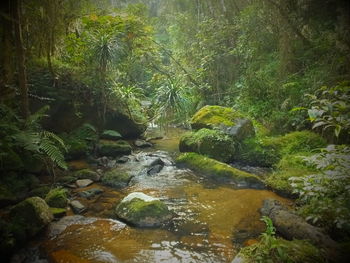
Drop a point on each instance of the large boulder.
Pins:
(219, 171)
(114, 148)
(229, 121)
(291, 226)
(116, 179)
(57, 198)
(29, 217)
(142, 210)
(212, 143)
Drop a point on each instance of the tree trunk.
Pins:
(22, 75)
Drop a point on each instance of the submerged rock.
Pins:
(142, 210)
(220, 172)
(90, 193)
(57, 198)
(292, 226)
(116, 178)
(114, 148)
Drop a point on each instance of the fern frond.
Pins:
(53, 152)
(54, 137)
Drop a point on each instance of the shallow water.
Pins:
(209, 218)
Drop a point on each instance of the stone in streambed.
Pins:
(142, 143)
(142, 210)
(83, 182)
(90, 193)
(116, 179)
(114, 148)
(219, 171)
(57, 198)
(77, 206)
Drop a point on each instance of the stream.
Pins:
(212, 221)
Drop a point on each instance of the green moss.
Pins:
(138, 211)
(114, 148)
(213, 116)
(219, 171)
(268, 151)
(291, 165)
(210, 143)
(58, 212)
(57, 198)
(117, 179)
(295, 251)
(111, 135)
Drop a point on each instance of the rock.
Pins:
(57, 198)
(142, 210)
(90, 193)
(243, 128)
(142, 143)
(111, 135)
(58, 212)
(155, 169)
(114, 148)
(87, 174)
(123, 159)
(77, 207)
(116, 178)
(56, 228)
(157, 161)
(106, 162)
(83, 182)
(40, 191)
(210, 143)
(30, 217)
(220, 172)
(292, 226)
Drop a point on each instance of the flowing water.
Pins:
(212, 221)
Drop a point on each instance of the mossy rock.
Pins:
(144, 211)
(295, 251)
(268, 151)
(66, 179)
(57, 198)
(116, 178)
(87, 174)
(214, 116)
(212, 143)
(77, 148)
(40, 191)
(219, 171)
(111, 135)
(114, 148)
(29, 217)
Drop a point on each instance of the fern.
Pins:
(54, 137)
(53, 152)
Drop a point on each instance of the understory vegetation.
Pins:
(263, 83)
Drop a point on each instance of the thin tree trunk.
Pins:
(22, 75)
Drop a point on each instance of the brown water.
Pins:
(208, 218)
